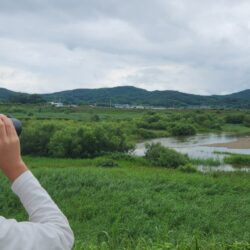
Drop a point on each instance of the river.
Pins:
(202, 146)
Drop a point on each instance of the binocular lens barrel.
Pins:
(17, 124)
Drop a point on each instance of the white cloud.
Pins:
(195, 46)
(20, 80)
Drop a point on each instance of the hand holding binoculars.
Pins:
(17, 124)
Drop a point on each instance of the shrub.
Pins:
(234, 118)
(152, 122)
(35, 138)
(121, 156)
(207, 121)
(247, 121)
(183, 130)
(64, 143)
(69, 139)
(238, 160)
(152, 118)
(84, 141)
(144, 133)
(160, 125)
(188, 168)
(107, 163)
(161, 156)
(95, 118)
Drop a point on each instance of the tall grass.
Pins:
(206, 162)
(238, 160)
(137, 207)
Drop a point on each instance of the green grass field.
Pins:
(136, 207)
(81, 113)
(133, 205)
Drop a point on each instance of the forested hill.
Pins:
(6, 94)
(134, 96)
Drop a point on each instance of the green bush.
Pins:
(151, 118)
(81, 142)
(152, 122)
(121, 157)
(181, 129)
(107, 163)
(238, 160)
(247, 121)
(188, 168)
(161, 156)
(160, 125)
(235, 118)
(36, 137)
(144, 133)
(64, 143)
(95, 118)
(73, 140)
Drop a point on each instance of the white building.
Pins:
(57, 104)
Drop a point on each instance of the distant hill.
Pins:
(245, 94)
(132, 95)
(136, 96)
(6, 94)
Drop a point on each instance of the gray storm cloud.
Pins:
(192, 46)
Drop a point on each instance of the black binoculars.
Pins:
(17, 124)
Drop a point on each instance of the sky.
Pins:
(193, 46)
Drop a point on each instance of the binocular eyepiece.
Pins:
(17, 124)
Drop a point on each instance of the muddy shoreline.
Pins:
(241, 143)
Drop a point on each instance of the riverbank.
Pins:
(202, 146)
(241, 143)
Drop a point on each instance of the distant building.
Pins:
(137, 107)
(157, 108)
(57, 104)
(122, 106)
(128, 106)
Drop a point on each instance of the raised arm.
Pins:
(47, 227)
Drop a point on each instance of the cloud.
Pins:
(195, 46)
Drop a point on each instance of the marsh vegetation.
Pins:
(117, 200)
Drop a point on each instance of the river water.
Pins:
(198, 147)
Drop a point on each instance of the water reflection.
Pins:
(197, 147)
(224, 168)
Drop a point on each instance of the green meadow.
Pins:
(131, 206)
(117, 202)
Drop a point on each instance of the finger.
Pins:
(9, 127)
(2, 130)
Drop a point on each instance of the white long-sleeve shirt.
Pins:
(47, 228)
